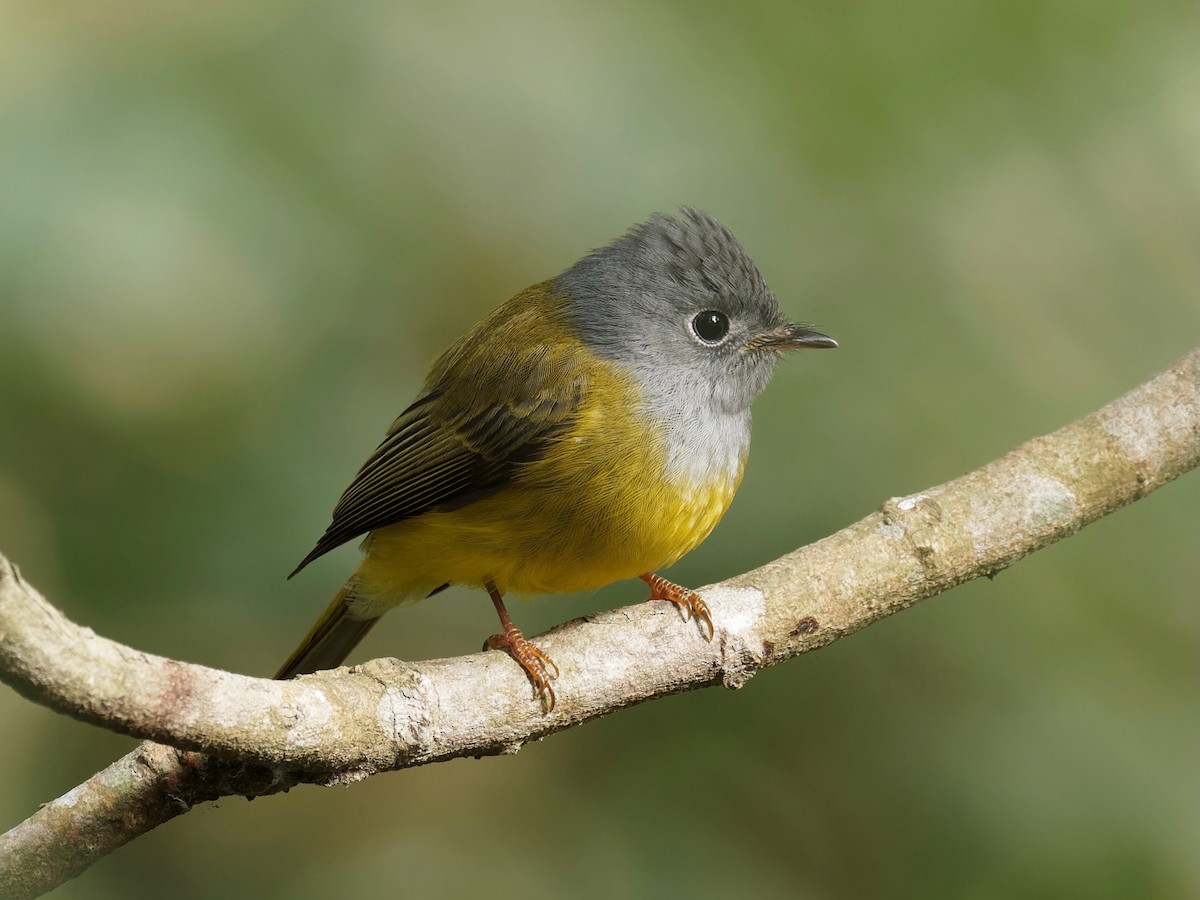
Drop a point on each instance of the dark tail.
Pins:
(330, 640)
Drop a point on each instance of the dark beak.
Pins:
(791, 337)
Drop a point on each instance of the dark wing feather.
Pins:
(444, 452)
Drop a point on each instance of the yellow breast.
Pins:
(601, 505)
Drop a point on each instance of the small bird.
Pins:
(593, 428)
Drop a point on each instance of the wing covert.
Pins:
(458, 443)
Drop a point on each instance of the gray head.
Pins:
(680, 302)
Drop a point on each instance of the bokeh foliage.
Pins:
(232, 236)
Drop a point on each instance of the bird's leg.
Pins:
(537, 665)
(689, 602)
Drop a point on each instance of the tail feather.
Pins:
(330, 640)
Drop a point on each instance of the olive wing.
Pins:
(460, 441)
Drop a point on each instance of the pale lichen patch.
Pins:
(387, 712)
(314, 712)
(1032, 503)
(736, 610)
(71, 797)
(1047, 501)
(1140, 431)
(229, 699)
(404, 715)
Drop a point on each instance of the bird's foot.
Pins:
(540, 668)
(689, 602)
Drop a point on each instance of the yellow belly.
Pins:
(597, 508)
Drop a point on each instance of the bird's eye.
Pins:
(711, 326)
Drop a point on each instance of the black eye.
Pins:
(710, 326)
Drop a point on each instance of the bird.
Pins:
(593, 428)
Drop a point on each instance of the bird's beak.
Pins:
(791, 337)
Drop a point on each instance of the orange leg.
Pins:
(537, 665)
(689, 602)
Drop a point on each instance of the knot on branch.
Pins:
(916, 521)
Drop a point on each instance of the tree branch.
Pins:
(263, 736)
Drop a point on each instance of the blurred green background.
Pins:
(233, 236)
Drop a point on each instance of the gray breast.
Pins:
(706, 442)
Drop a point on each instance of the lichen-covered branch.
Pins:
(259, 736)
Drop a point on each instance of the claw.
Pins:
(540, 668)
(689, 602)
(546, 661)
